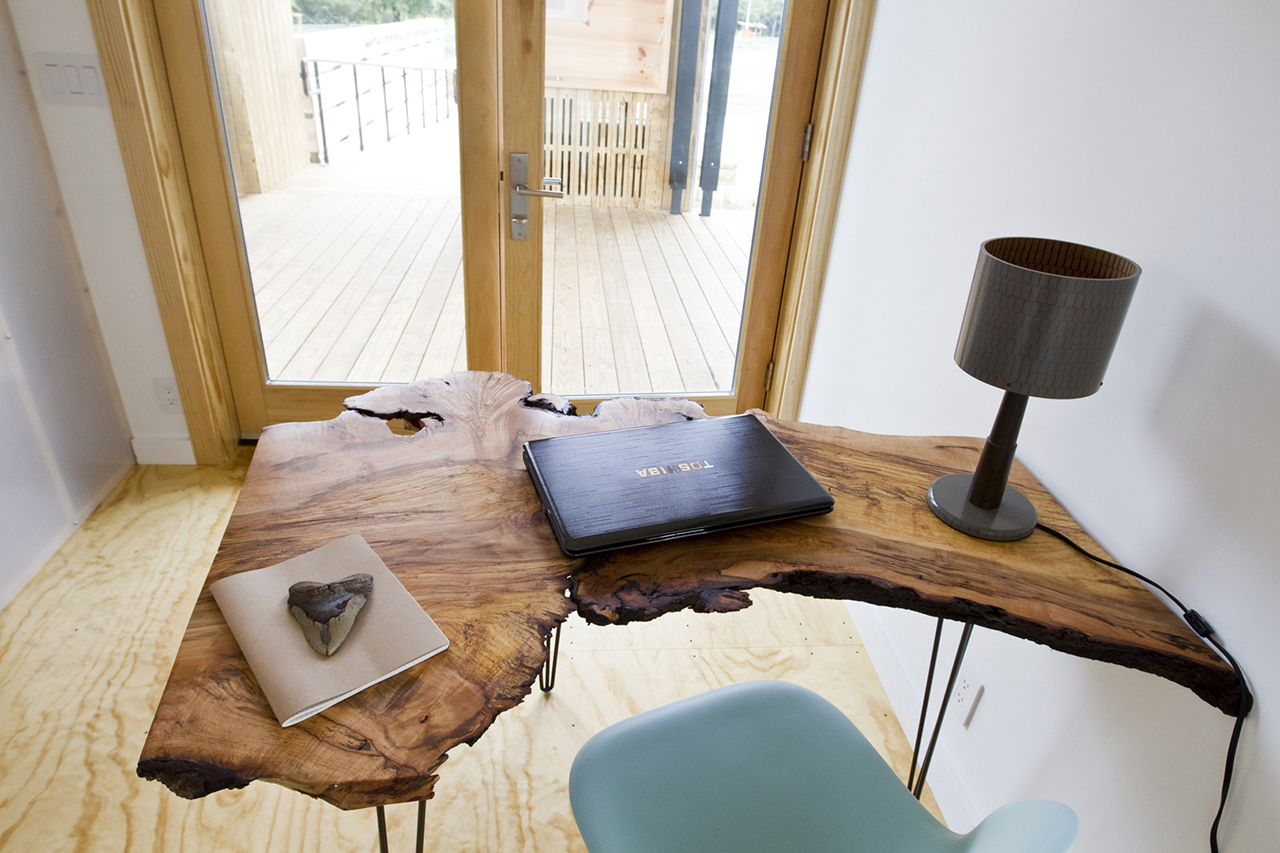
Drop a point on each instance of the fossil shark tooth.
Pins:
(326, 611)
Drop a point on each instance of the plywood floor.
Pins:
(357, 276)
(86, 646)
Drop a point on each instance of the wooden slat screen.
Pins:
(608, 148)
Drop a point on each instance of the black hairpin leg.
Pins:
(918, 788)
(422, 827)
(547, 677)
(382, 830)
(924, 707)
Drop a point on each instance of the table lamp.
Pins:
(1042, 320)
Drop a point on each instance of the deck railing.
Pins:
(361, 102)
(607, 148)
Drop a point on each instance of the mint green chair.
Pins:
(769, 767)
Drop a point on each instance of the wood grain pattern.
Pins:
(624, 45)
(882, 544)
(77, 690)
(834, 107)
(263, 106)
(454, 515)
(134, 76)
(470, 543)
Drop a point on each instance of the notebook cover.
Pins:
(629, 487)
(391, 634)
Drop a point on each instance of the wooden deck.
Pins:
(640, 301)
(365, 286)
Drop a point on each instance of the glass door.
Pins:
(341, 129)
(351, 240)
(657, 118)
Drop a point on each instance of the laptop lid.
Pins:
(615, 489)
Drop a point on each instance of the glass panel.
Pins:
(341, 127)
(643, 283)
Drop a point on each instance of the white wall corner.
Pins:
(158, 450)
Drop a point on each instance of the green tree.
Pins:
(767, 12)
(370, 11)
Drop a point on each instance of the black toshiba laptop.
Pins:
(615, 489)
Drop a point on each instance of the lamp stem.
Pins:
(992, 473)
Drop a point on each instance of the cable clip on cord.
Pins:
(1202, 627)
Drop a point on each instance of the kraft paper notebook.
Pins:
(627, 487)
(390, 634)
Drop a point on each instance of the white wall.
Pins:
(63, 438)
(1150, 128)
(90, 172)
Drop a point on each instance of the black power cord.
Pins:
(1201, 626)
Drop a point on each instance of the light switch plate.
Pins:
(70, 78)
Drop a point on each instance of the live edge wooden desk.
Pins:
(453, 513)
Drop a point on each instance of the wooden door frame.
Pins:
(177, 213)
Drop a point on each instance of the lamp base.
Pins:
(1015, 518)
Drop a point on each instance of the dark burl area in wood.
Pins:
(453, 514)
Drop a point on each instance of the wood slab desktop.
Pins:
(453, 513)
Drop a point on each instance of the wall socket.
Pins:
(167, 394)
(966, 694)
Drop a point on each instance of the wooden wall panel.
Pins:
(624, 46)
(134, 75)
(260, 89)
(840, 78)
(609, 148)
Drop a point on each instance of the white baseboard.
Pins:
(15, 584)
(956, 806)
(107, 487)
(163, 451)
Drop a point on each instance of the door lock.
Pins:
(520, 193)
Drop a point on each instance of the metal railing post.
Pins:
(312, 87)
(324, 139)
(355, 76)
(386, 106)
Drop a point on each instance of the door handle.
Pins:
(520, 194)
(521, 189)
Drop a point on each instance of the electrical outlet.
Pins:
(966, 694)
(167, 394)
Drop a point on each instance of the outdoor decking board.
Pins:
(438, 305)
(598, 369)
(371, 365)
(367, 288)
(701, 313)
(363, 320)
(318, 255)
(308, 301)
(321, 327)
(660, 362)
(628, 349)
(566, 318)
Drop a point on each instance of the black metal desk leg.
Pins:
(924, 706)
(382, 827)
(382, 830)
(547, 677)
(942, 708)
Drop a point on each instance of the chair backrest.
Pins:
(760, 766)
